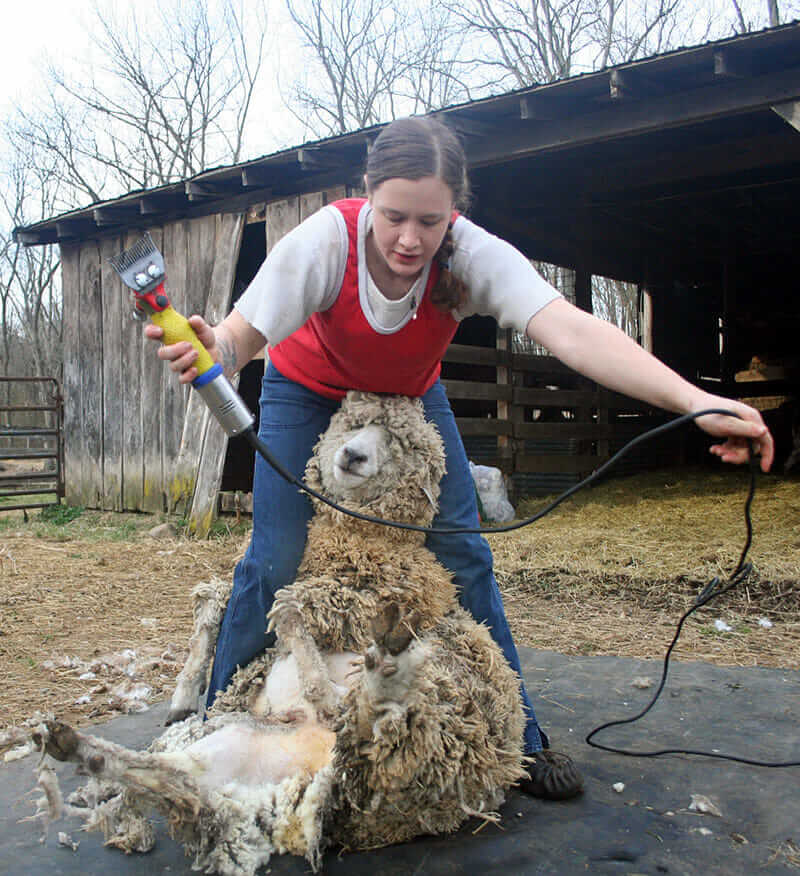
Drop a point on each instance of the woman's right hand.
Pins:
(182, 356)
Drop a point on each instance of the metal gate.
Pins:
(31, 442)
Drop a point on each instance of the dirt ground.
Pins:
(95, 613)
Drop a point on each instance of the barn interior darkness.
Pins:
(703, 216)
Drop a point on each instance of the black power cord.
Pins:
(710, 592)
(262, 448)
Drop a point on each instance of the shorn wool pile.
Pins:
(384, 711)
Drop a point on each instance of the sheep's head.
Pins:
(380, 456)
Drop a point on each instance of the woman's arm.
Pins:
(602, 352)
(232, 343)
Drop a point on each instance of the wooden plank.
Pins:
(282, 216)
(334, 193)
(483, 426)
(195, 250)
(504, 379)
(577, 430)
(467, 354)
(90, 360)
(570, 398)
(180, 467)
(174, 395)
(152, 413)
(310, 204)
(132, 441)
(116, 309)
(73, 429)
(474, 390)
(229, 230)
(548, 398)
(556, 463)
(540, 365)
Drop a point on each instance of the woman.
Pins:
(367, 294)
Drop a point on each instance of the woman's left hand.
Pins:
(736, 432)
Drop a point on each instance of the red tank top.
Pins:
(337, 349)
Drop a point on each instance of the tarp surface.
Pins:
(647, 828)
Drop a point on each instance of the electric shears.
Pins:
(142, 270)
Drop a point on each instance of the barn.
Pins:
(679, 174)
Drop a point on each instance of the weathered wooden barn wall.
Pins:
(126, 438)
(134, 438)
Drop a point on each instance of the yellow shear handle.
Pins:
(176, 328)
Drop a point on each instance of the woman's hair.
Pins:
(414, 148)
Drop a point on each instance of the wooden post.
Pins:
(727, 358)
(583, 289)
(73, 433)
(645, 319)
(505, 443)
(116, 308)
(212, 441)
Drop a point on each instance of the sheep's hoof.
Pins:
(393, 632)
(177, 715)
(60, 742)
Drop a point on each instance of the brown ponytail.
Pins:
(449, 292)
(414, 148)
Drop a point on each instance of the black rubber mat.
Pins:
(646, 827)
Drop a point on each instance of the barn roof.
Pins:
(616, 149)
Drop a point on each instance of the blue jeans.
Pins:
(292, 419)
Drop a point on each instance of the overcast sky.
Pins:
(31, 30)
(61, 30)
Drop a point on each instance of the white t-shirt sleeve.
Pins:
(500, 281)
(302, 275)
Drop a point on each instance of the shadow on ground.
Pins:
(646, 828)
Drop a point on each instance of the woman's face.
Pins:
(410, 218)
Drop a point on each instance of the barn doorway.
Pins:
(237, 474)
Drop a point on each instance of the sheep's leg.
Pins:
(209, 605)
(295, 639)
(144, 773)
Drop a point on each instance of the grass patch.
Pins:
(59, 515)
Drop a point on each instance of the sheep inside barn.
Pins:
(384, 711)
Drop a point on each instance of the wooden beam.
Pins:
(35, 238)
(318, 159)
(67, 229)
(152, 204)
(201, 190)
(619, 84)
(727, 64)
(623, 119)
(477, 391)
(117, 215)
(536, 107)
(256, 175)
(471, 355)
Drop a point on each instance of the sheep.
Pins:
(383, 712)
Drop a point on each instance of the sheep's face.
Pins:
(361, 457)
(380, 455)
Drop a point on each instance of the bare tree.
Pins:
(617, 302)
(752, 14)
(527, 42)
(171, 98)
(438, 74)
(357, 63)
(30, 300)
(372, 60)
